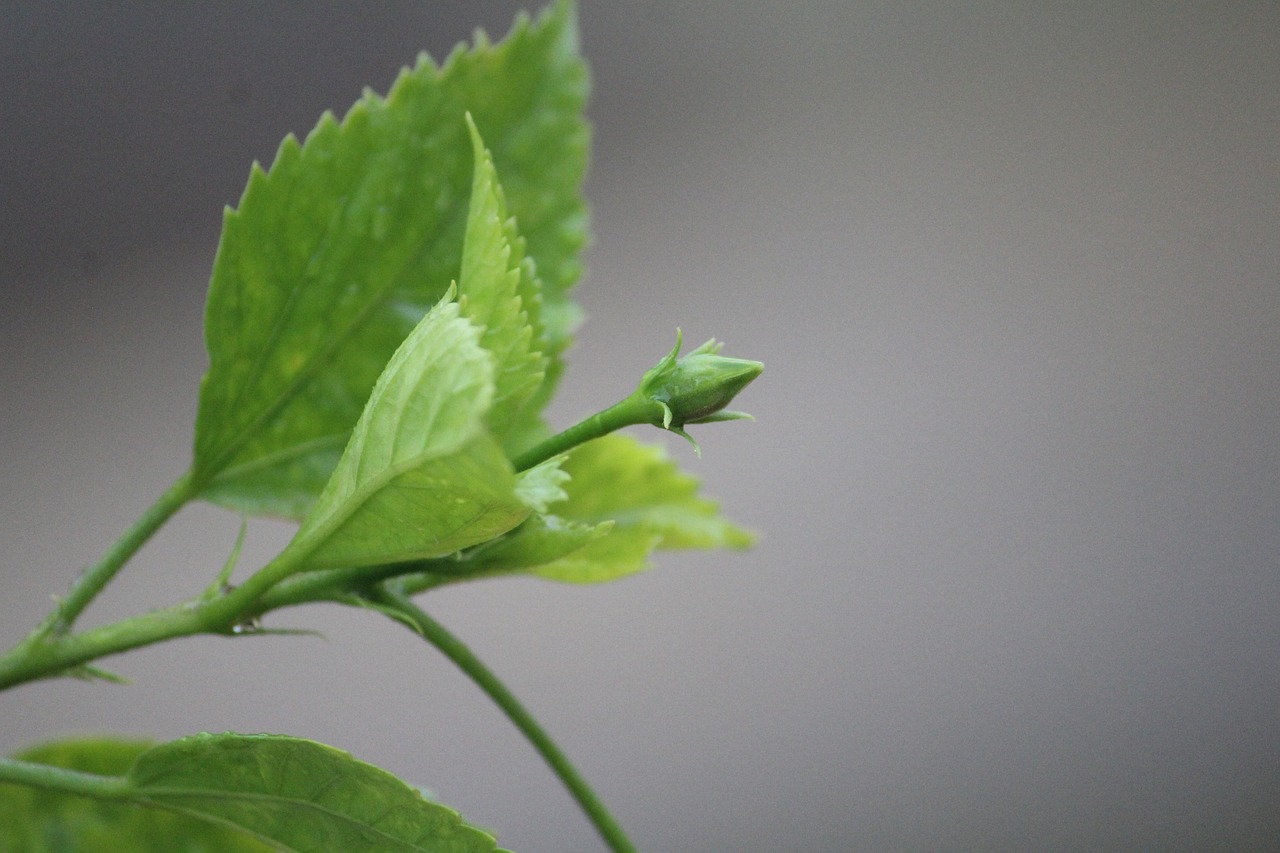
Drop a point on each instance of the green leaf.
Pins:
(421, 477)
(334, 253)
(40, 821)
(650, 502)
(542, 540)
(623, 552)
(616, 500)
(543, 484)
(500, 292)
(299, 795)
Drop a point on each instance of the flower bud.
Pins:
(696, 388)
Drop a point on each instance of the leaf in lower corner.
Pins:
(338, 249)
(36, 821)
(299, 795)
(421, 476)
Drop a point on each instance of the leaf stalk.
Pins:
(64, 781)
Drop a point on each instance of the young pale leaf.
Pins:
(500, 292)
(338, 249)
(543, 485)
(41, 821)
(650, 502)
(622, 552)
(298, 795)
(542, 540)
(621, 501)
(421, 477)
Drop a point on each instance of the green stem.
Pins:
(29, 661)
(273, 587)
(337, 584)
(40, 655)
(40, 652)
(86, 588)
(453, 648)
(635, 409)
(62, 780)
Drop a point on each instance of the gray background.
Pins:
(1014, 270)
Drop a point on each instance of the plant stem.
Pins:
(337, 584)
(453, 648)
(41, 655)
(29, 661)
(62, 780)
(635, 409)
(45, 650)
(86, 587)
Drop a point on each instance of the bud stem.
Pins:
(675, 392)
(634, 409)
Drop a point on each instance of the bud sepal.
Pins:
(696, 388)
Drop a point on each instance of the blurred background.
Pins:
(1015, 273)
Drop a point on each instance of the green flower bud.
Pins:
(677, 391)
(695, 389)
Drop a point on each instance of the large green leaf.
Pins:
(338, 249)
(299, 795)
(421, 476)
(40, 821)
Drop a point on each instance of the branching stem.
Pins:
(45, 652)
(86, 588)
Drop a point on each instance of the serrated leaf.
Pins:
(336, 251)
(420, 477)
(40, 821)
(499, 291)
(651, 503)
(299, 795)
